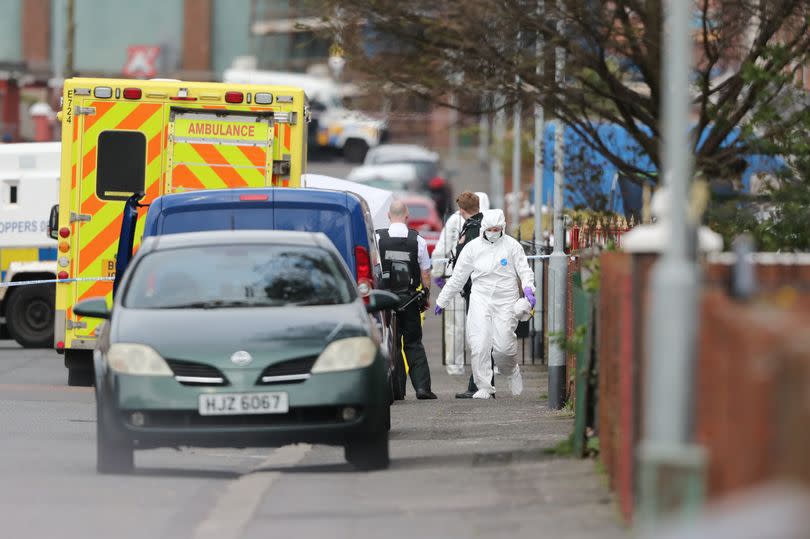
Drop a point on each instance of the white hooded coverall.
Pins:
(454, 312)
(499, 272)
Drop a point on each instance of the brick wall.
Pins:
(35, 34)
(745, 352)
(197, 37)
(752, 373)
(615, 400)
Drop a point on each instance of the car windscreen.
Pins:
(388, 185)
(418, 211)
(425, 170)
(243, 275)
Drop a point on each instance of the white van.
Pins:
(29, 188)
(332, 125)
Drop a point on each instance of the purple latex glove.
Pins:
(530, 296)
(438, 310)
(440, 282)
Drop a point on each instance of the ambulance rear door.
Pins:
(120, 153)
(213, 149)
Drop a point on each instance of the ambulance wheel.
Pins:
(80, 377)
(354, 151)
(30, 315)
(80, 368)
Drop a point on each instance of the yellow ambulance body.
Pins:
(157, 136)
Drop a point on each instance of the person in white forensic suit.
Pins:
(469, 204)
(499, 271)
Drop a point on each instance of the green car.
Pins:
(239, 339)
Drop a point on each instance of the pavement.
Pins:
(460, 468)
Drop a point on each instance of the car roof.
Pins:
(396, 152)
(231, 237)
(397, 172)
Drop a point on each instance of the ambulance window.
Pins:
(12, 194)
(121, 166)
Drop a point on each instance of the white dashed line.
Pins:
(236, 506)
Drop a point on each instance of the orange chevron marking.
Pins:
(254, 154)
(102, 107)
(209, 154)
(99, 288)
(212, 156)
(89, 162)
(287, 130)
(92, 205)
(139, 116)
(153, 148)
(183, 177)
(73, 177)
(99, 243)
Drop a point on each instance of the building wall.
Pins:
(10, 43)
(104, 30)
(231, 33)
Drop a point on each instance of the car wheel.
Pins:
(80, 377)
(113, 456)
(354, 151)
(80, 367)
(30, 315)
(369, 452)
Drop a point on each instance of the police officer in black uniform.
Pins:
(406, 265)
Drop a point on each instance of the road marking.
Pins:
(241, 498)
(29, 387)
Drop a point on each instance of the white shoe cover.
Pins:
(482, 394)
(455, 370)
(516, 382)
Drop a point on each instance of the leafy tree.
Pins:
(746, 54)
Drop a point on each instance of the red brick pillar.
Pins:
(197, 38)
(36, 33)
(9, 110)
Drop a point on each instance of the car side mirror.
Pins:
(92, 308)
(53, 223)
(380, 300)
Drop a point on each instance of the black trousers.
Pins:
(409, 333)
(471, 387)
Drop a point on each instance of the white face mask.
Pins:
(492, 236)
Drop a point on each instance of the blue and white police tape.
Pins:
(53, 281)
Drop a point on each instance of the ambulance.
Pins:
(29, 187)
(121, 137)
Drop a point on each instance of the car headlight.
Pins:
(346, 354)
(137, 359)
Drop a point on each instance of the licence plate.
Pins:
(243, 403)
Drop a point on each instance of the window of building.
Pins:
(121, 166)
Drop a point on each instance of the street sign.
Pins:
(141, 61)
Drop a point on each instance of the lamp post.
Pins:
(558, 263)
(539, 148)
(671, 465)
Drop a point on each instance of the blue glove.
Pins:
(438, 310)
(530, 296)
(440, 282)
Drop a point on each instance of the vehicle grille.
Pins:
(287, 372)
(296, 416)
(196, 374)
